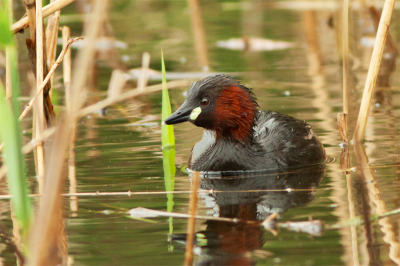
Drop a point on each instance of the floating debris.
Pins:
(315, 227)
(143, 213)
(254, 44)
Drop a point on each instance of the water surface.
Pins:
(121, 150)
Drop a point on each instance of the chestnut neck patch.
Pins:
(235, 111)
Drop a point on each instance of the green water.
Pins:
(121, 151)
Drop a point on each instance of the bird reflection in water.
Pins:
(248, 196)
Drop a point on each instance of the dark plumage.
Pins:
(237, 136)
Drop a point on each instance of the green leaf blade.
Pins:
(168, 145)
(10, 133)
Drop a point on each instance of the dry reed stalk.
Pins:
(46, 80)
(342, 124)
(67, 66)
(390, 43)
(129, 94)
(198, 34)
(23, 23)
(142, 82)
(373, 69)
(117, 83)
(31, 18)
(67, 63)
(72, 173)
(46, 229)
(345, 48)
(51, 41)
(40, 122)
(314, 55)
(27, 148)
(191, 220)
(51, 37)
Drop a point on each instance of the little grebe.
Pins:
(239, 137)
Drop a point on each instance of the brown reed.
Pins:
(47, 226)
(345, 48)
(51, 42)
(46, 80)
(373, 70)
(23, 23)
(39, 110)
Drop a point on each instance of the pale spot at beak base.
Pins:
(195, 113)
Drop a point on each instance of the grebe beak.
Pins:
(183, 114)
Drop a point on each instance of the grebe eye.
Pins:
(205, 102)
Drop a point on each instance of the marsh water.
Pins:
(119, 149)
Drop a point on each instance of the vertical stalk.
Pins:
(373, 69)
(51, 42)
(39, 101)
(30, 10)
(44, 237)
(345, 47)
(198, 34)
(67, 67)
(142, 82)
(67, 85)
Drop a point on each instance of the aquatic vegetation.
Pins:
(168, 145)
(10, 129)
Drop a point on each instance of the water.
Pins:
(121, 151)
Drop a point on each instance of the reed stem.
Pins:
(39, 81)
(373, 70)
(345, 47)
(51, 42)
(199, 35)
(142, 82)
(46, 80)
(46, 230)
(23, 23)
(31, 17)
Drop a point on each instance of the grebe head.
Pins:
(219, 103)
